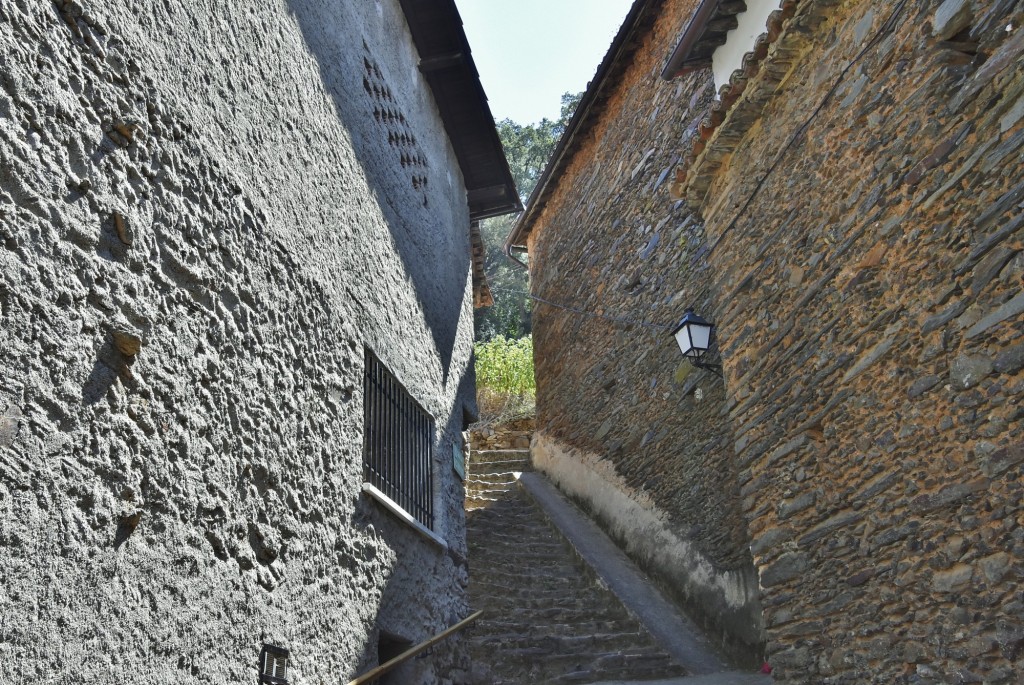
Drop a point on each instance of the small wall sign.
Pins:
(459, 459)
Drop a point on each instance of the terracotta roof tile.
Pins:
(741, 100)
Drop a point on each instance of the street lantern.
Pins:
(694, 337)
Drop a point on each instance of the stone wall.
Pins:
(867, 261)
(639, 438)
(511, 435)
(206, 211)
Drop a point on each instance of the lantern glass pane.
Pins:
(683, 338)
(700, 335)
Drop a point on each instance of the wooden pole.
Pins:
(410, 653)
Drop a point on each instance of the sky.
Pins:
(529, 52)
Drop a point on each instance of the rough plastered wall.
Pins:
(637, 436)
(206, 211)
(871, 310)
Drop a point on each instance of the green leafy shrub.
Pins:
(505, 365)
(504, 378)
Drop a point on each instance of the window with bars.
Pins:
(398, 439)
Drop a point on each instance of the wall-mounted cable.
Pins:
(583, 312)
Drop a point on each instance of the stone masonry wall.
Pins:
(510, 435)
(871, 314)
(206, 211)
(641, 439)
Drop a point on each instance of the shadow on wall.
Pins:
(110, 365)
(421, 599)
(466, 395)
(434, 252)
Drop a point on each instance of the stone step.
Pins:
(515, 599)
(513, 505)
(598, 642)
(536, 552)
(500, 547)
(550, 577)
(492, 478)
(567, 592)
(494, 489)
(724, 678)
(640, 663)
(545, 570)
(510, 506)
(505, 530)
(486, 498)
(491, 489)
(500, 477)
(545, 665)
(491, 455)
(588, 625)
(555, 609)
(569, 613)
(487, 481)
(502, 518)
(604, 643)
(482, 456)
(511, 461)
(475, 506)
(476, 469)
(487, 456)
(496, 468)
(645, 668)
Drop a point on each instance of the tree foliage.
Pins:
(527, 148)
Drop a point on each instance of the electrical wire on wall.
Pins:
(595, 315)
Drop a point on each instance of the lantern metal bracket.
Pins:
(707, 366)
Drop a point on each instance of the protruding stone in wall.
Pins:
(128, 341)
(952, 17)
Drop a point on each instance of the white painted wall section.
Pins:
(729, 597)
(738, 42)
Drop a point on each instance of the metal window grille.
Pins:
(398, 439)
(274, 665)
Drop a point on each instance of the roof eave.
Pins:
(679, 61)
(447, 65)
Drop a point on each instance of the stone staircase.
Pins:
(547, 618)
